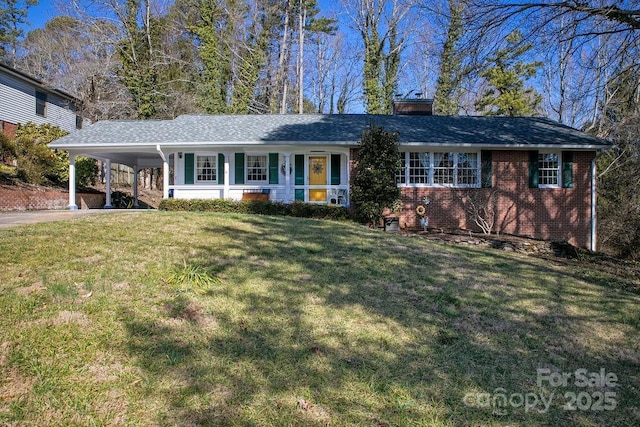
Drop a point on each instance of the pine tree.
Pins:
(507, 95)
(13, 14)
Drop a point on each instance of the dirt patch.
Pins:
(15, 386)
(29, 290)
(4, 352)
(68, 317)
(105, 373)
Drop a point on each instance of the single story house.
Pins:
(539, 174)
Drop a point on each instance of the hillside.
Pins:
(158, 318)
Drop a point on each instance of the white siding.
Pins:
(18, 105)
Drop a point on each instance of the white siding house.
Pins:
(25, 99)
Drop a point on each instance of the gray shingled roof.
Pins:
(332, 130)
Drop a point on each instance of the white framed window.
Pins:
(419, 168)
(548, 169)
(467, 170)
(206, 168)
(257, 168)
(401, 174)
(452, 169)
(443, 168)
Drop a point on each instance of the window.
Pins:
(548, 169)
(257, 168)
(448, 169)
(419, 164)
(206, 168)
(41, 104)
(468, 169)
(401, 175)
(443, 168)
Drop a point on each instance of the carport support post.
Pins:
(107, 165)
(135, 186)
(165, 178)
(72, 182)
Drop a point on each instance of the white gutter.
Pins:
(164, 159)
(593, 242)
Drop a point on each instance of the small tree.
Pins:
(373, 186)
(38, 164)
(507, 94)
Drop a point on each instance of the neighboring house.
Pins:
(26, 99)
(541, 174)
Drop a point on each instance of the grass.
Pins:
(159, 318)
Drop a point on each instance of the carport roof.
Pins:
(445, 131)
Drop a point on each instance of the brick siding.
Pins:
(13, 198)
(541, 213)
(8, 128)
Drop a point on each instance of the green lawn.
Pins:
(158, 318)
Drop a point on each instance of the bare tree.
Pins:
(383, 30)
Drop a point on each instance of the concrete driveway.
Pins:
(14, 218)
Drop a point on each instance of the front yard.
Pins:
(158, 318)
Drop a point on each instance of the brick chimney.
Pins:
(413, 107)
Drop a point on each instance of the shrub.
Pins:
(256, 207)
(374, 185)
(86, 171)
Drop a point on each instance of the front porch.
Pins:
(317, 176)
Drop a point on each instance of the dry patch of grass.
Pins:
(204, 319)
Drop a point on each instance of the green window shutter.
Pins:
(335, 169)
(220, 168)
(189, 166)
(299, 195)
(567, 169)
(533, 169)
(299, 169)
(486, 172)
(239, 168)
(273, 168)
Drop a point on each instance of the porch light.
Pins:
(179, 154)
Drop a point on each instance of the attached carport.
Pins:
(136, 158)
(138, 144)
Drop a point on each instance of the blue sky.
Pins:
(46, 9)
(40, 14)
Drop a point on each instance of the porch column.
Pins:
(348, 170)
(107, 165)
(227, 180)
(72, 182)
(165, 178)
(135, 186)
(287, 177)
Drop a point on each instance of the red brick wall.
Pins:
(13, 198)
(8, 128)
(542, 213)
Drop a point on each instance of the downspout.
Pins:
(165, 173)
(593, 205)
